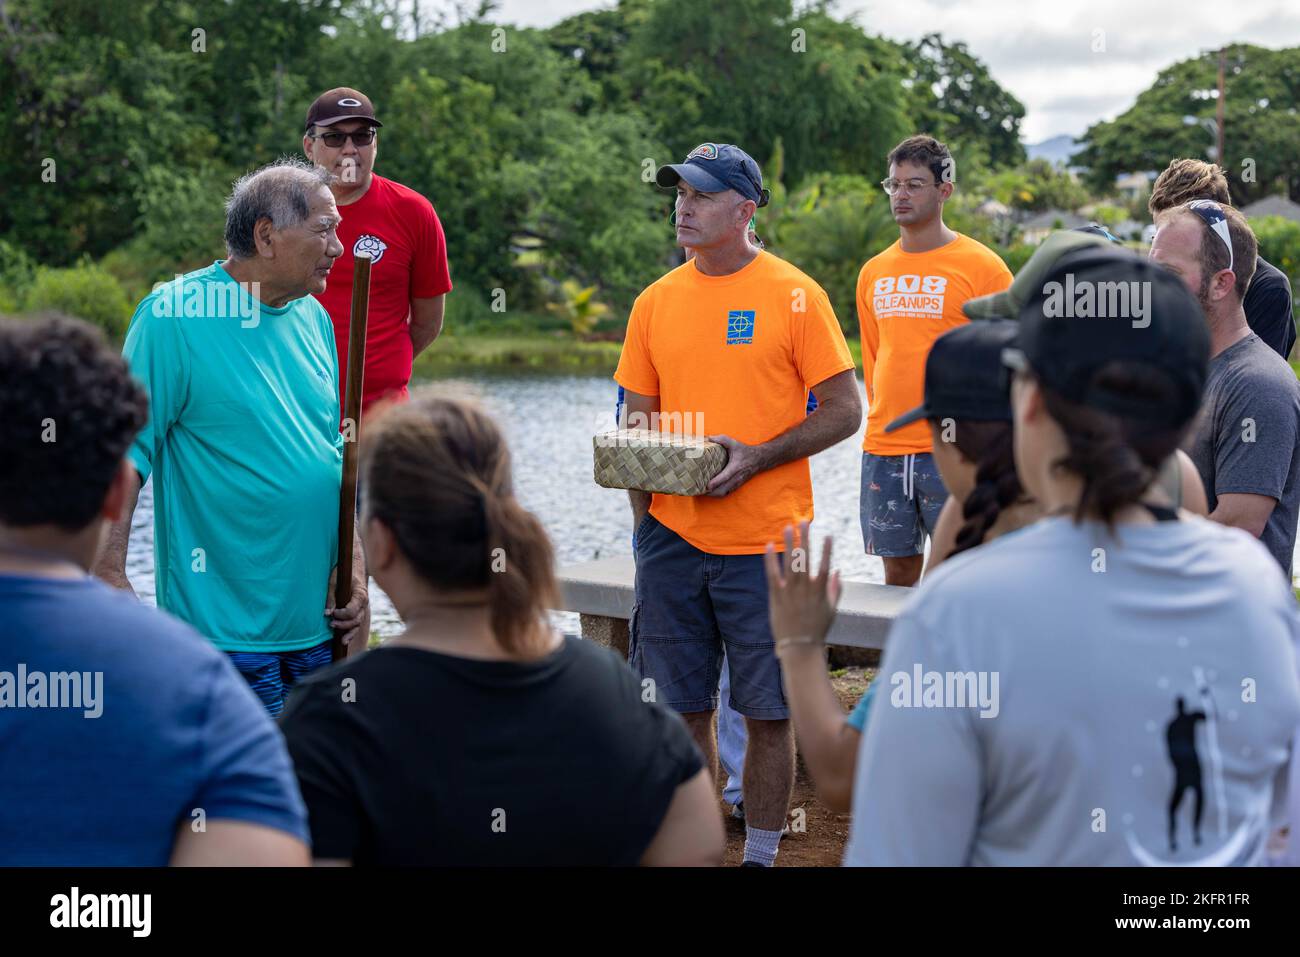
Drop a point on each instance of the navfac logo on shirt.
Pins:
(740, 327)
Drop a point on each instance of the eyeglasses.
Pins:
(336, 139)
(892, 186)
(1212, 214)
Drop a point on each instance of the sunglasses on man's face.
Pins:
(336, 139)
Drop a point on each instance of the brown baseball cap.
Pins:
(341, 103)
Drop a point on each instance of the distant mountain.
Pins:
(1058, 149)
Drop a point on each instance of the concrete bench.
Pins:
(601, 592)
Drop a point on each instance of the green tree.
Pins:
(750, 71)
(1170, 118)
(828, 228)
(1279, 243)
(589, 202)
(85, 291)
(969, 107)
(578, 306)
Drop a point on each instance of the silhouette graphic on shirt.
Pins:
(1180, 735)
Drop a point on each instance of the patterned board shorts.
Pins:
(902, 496)
(273, 674)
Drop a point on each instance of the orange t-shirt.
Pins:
(905, 302)
(734, 355)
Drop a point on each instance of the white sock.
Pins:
(760, 845)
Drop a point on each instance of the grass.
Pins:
(516, 352)
(529, 351)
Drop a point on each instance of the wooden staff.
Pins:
(356, 371)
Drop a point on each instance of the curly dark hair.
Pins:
(997, 486)
(924, 150)
(69, 410)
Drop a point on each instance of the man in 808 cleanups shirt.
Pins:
(396, 227)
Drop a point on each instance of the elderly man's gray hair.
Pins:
(281, 191)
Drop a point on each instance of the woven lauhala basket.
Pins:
(653, 461)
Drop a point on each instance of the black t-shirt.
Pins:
(1268, 307)
(440, 760)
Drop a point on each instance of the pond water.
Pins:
(548, 422)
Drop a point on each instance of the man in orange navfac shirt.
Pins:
(908, 296)
(729, 344)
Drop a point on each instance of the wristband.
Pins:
(798, 640)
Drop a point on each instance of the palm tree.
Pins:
(578, 305)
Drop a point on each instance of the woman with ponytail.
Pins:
(985, 497)
(479, 736)
(968, 406)
(1078, 691)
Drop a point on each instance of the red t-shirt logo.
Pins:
(415, 252)
(371, 246)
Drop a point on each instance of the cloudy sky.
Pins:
(1042, 50)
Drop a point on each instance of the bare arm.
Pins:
(110, 566)
(639, 411)
(1194, 499)
(691, 832)
(1244, 510)
(237, 844)
(426, 322)
(828, 743)
(837, 416)
(802, 608)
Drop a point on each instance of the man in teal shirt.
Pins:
(243, 439)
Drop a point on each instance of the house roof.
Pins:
(1048, 219)
(1273, 206)
(991, 207)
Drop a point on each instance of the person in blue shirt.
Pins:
(126, 739)
(243, 439)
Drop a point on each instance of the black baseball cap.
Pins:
(715, 167)
(964, 376)
(338, 104)
(1070, 329)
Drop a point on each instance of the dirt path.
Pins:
(822, 843)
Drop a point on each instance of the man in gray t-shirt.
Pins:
(1246, 440)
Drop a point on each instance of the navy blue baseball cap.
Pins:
(715, 167)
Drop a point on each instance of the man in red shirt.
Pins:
(399, 230)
